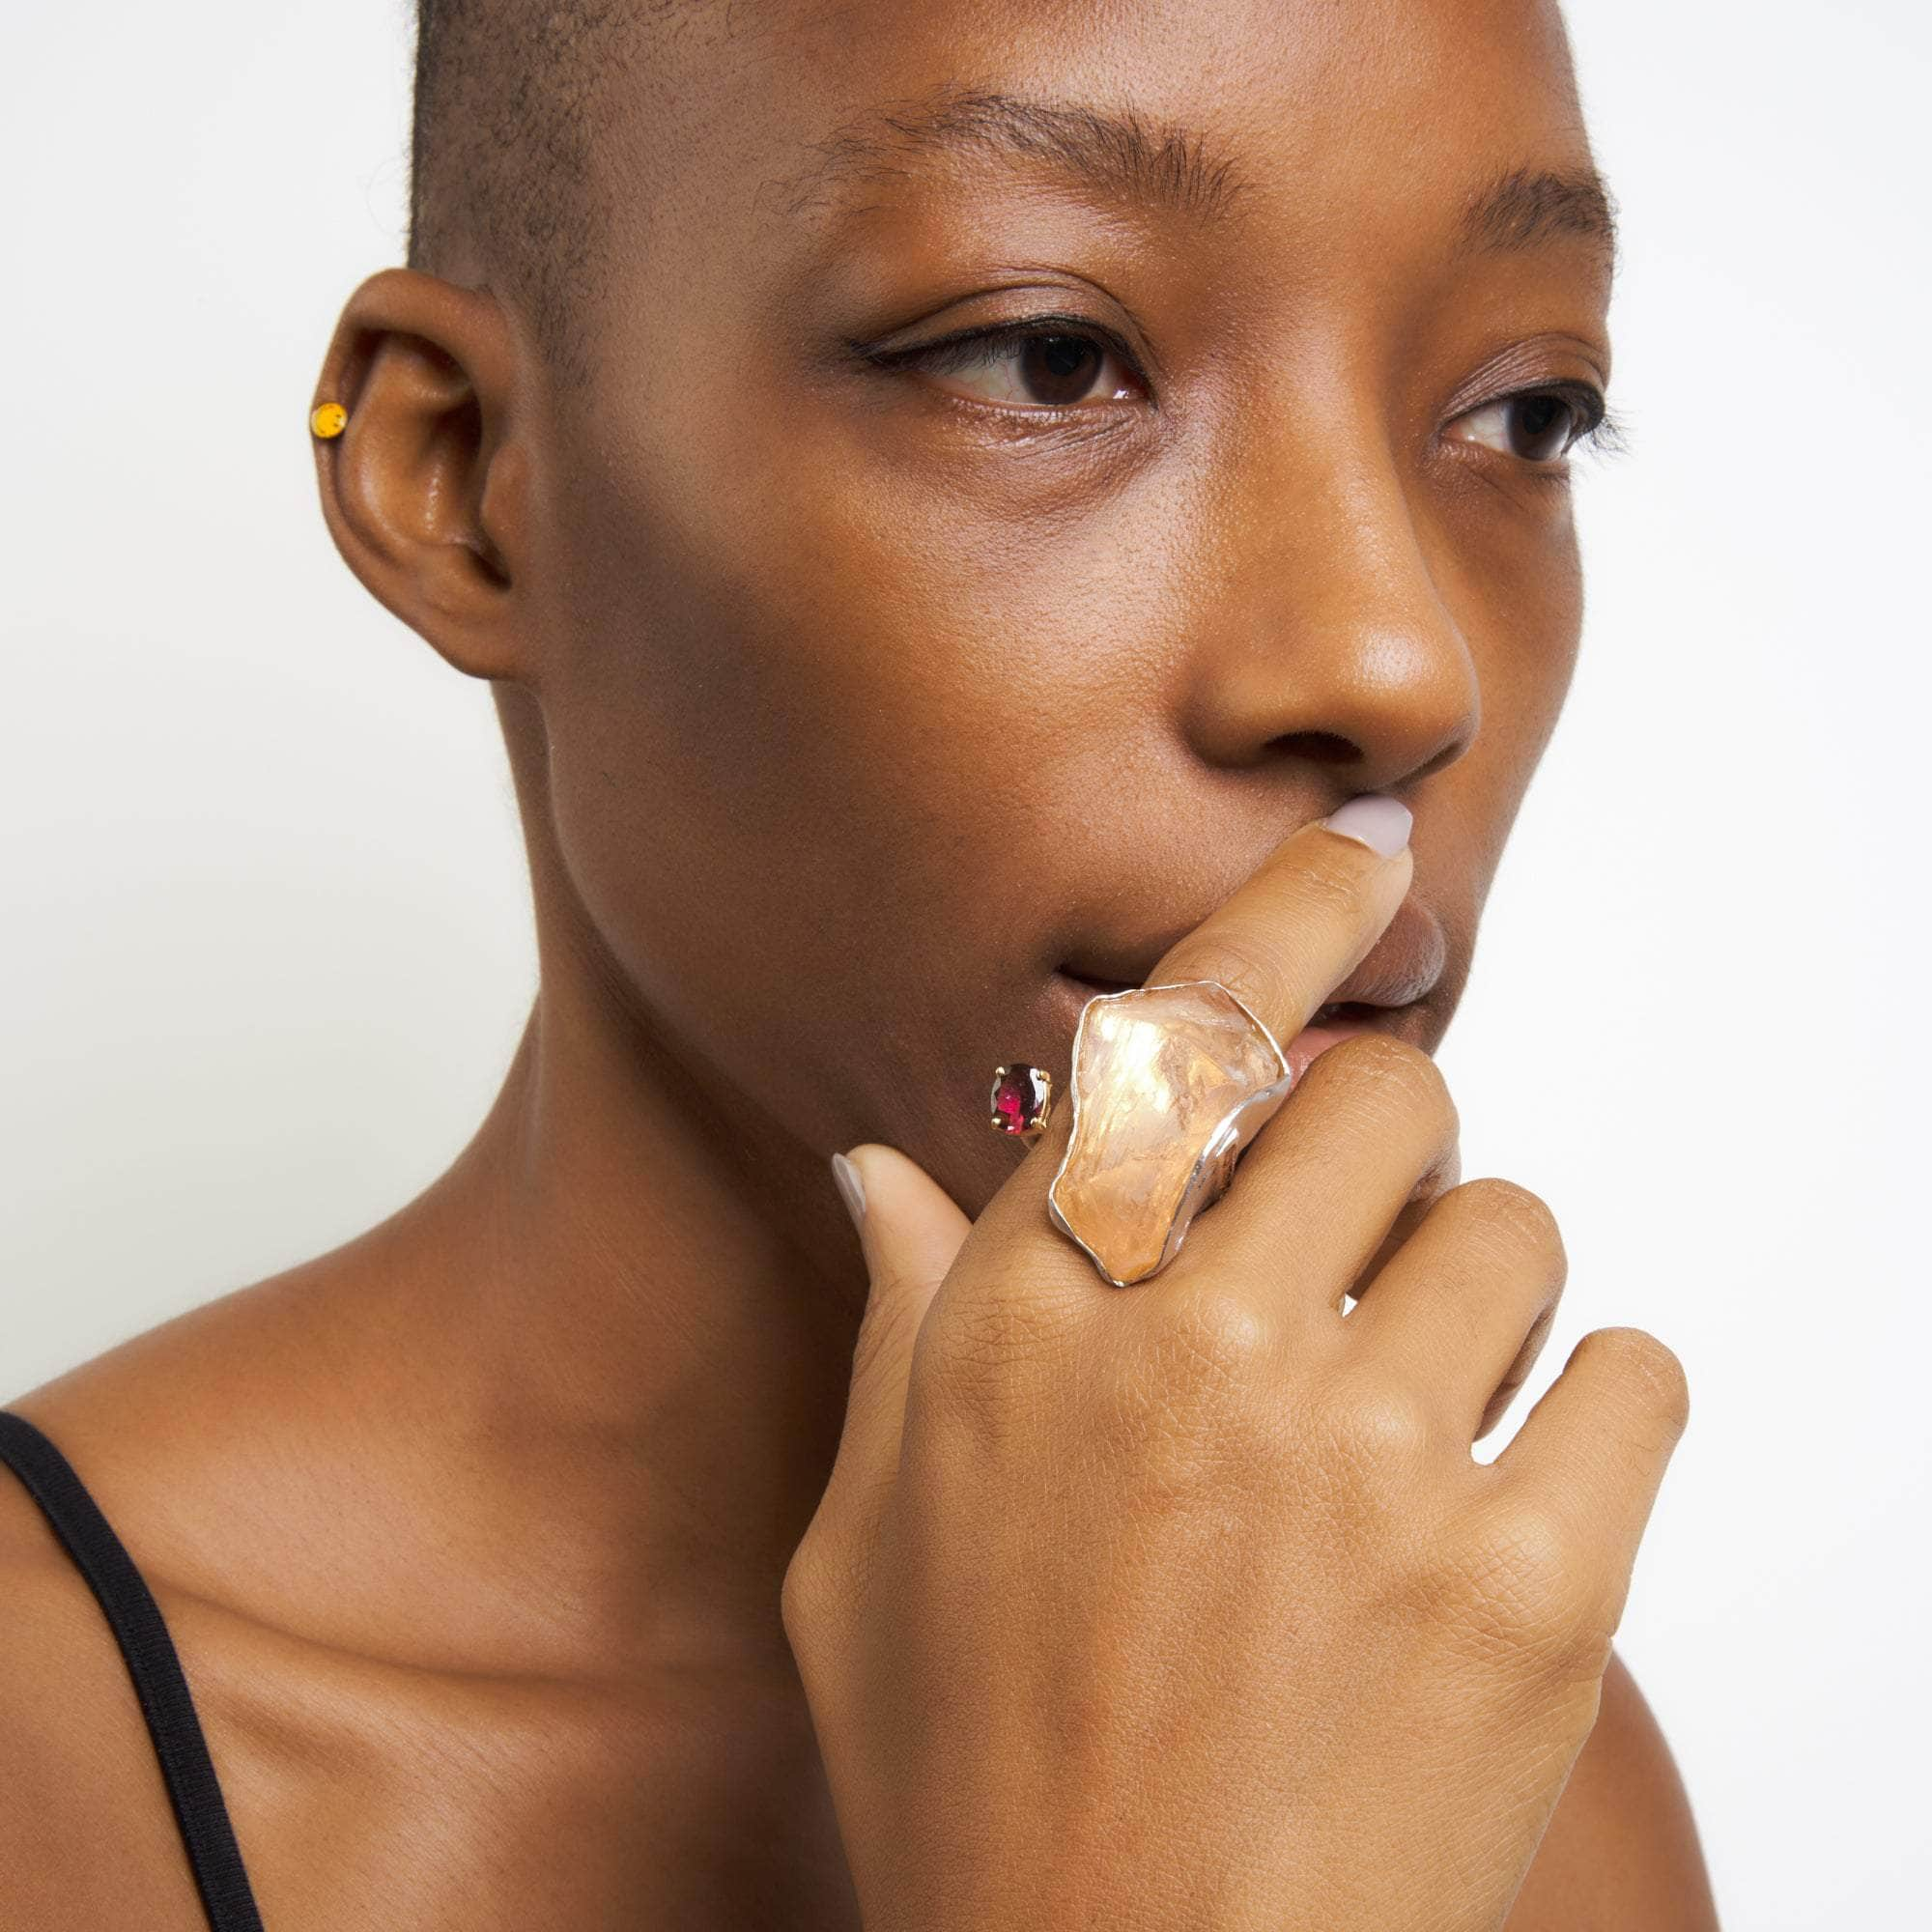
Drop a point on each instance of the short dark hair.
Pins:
(510, 96)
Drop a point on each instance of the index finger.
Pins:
(1306, 916)
(1281, 941)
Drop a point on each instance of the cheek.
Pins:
(1522, 609)
(1515, 585)
(1540, 629)
(799, 802)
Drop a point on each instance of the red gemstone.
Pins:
(1019, 1099)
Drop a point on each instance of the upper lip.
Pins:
(1402, 967)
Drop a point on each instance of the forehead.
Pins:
(1221, 112)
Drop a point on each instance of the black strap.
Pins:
(152, 1662)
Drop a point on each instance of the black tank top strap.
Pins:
(148, 1653)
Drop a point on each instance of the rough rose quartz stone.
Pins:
(1168, 1083)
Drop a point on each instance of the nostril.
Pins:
(1318, 748)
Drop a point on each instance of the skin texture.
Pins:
(1188, 1607)
(842, 710)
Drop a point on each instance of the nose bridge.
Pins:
(1330, 637)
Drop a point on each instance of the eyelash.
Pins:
(1602, 427)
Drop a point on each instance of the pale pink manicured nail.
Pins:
(851, 1187)
(1381, 822)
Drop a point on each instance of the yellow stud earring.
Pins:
(329, 419)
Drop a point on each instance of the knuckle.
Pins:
(1635, 1357)
(1395, 1073)
(1525, 1220)
(1522, 1585)
(1243, 965)
(1375, 1429)
(1357, 1457)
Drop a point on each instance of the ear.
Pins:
(423, 489)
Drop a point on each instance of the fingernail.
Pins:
(1381, 822)
(851, 1187)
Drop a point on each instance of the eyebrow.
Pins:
(1115, 152)
(1524, 207)
(1119, 156)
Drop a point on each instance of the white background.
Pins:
(267, 945)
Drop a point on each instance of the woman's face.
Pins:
(881, 685)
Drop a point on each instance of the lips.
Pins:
(1402, 967)
(1404, 964)
(1383, 994)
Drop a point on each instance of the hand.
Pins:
(1185, 1604)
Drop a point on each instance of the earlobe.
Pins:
(421, 488)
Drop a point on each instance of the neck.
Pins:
(640, 1297)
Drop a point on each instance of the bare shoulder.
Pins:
(370, 1781)
(1622, 1849)
(87, 1838)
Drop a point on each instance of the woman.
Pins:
(946, 501)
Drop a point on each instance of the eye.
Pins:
(1057, 362)
(1047, 362)
(1539, 426)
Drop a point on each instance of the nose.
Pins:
(1328, 639)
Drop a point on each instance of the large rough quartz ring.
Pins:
(1170, 1083)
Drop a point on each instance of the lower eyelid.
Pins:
(1079, 426)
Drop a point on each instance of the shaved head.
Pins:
(512, 98)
